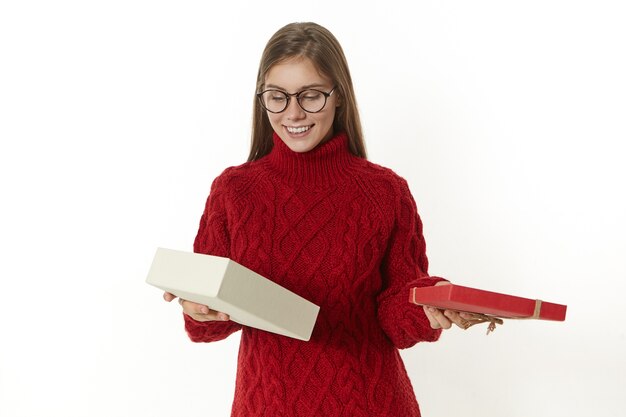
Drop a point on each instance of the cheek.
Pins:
(274, 119)
(329, 118)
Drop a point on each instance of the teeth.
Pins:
(298, 129)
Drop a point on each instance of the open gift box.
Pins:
(226, 286)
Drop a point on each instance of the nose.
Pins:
(294, 111)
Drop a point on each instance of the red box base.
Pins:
(473, 300)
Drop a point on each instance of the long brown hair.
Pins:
(315, 42)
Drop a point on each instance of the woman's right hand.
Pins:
(196, 311)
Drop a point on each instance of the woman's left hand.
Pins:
(443, 319)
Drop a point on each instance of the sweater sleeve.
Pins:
(405, 266)
(212, 239)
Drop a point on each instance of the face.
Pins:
(299, 130)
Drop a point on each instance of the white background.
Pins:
(506, 118)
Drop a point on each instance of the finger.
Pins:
(471, 316)
(455, 317)
(440, 320)
(201, 312)
(190, 307)
(212, 315)
(433, 323)
(168, 296)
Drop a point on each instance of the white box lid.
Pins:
(224, 285)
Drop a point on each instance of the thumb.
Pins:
(168, 296)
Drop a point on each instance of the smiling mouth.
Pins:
(300, 129)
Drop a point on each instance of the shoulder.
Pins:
(235, 179)
(386, 190)
(237, 171)
(383, 180)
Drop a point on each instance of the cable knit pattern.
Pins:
(343, 233)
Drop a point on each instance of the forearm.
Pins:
(405, 323)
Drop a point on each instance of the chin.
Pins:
(299, 147)
(303, 142)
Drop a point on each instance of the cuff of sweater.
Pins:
(428, 333)
(426, 281)
(208, 331)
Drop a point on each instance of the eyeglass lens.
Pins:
(311, 101)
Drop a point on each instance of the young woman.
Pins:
(309, 212)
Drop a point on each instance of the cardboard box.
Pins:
(456, 297)
(226, 286)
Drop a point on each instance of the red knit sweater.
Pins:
(345, 234)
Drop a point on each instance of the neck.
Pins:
(323, 166)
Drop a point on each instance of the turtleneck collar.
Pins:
(322, 166)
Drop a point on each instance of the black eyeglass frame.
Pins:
(297, 96)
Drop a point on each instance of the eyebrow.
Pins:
(304, 87)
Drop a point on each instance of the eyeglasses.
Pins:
(311, 100)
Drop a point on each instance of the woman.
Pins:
(309, 212)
